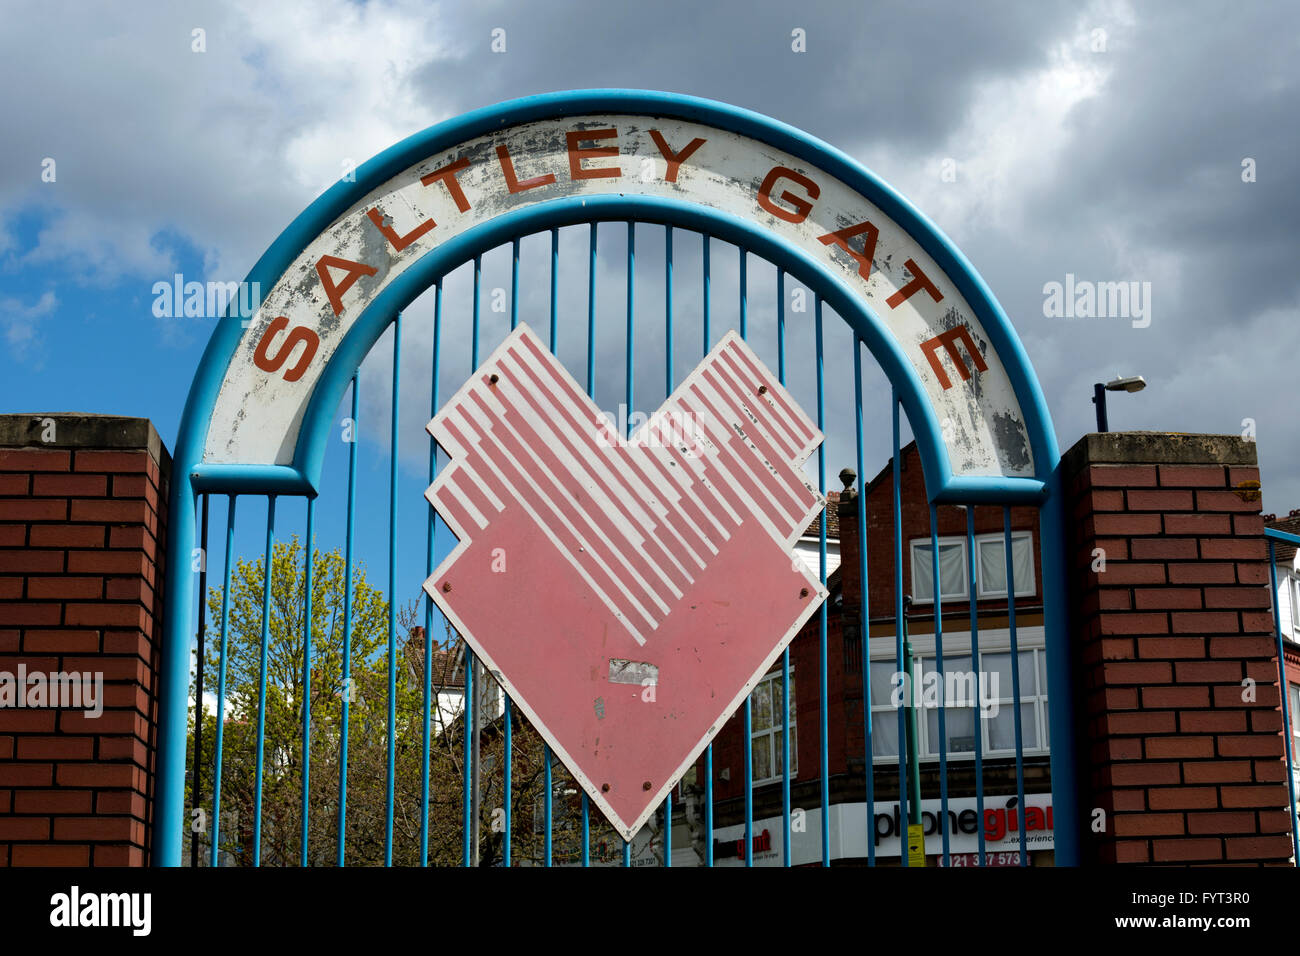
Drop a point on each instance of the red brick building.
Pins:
(845, 717)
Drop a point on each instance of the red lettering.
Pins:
(801, 205)
(398, 242)
(447, 176)
(355, 270)
(577, 155)
(919, 281)
(868, 252)
(508, 170)
(298, 334)
(948, 340)
(674, 160)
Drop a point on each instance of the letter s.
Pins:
(272, 363)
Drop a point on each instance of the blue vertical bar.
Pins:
(864, 612)
(555, 278)
(347, 629)
(1287, 716)
(591, 393)
(938, 663)
(394, 431)
(668, 310)
(898, 633)
(749, 783)
(261, 682)
(514, 284)
(1015, 683)
(668, 829)
(306, 675)
(821, 629)
(708, 803)
(591, 316)
(221, 681)
(431, 539)
(708, 283)
(509, 753)
(547, 806)
(471, 718)
(785, 654)
(586, 832)
(467, 715)
(631, 286)
(744, 293)
(975, 669)
(627, 853)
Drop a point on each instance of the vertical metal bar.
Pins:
(306, 676)
(509, 755)
(586, 832)
(261, 682)
(668, 390)
(196, 785)
(708, 805)
(431, 542)
(221, 683)
(668, 310)
(749, 783)
(744, 293)
(469, 660)
(785, 654)
(394, 431)
(975, 669)
(514, 284)
(627, 853)
(668, 829)
(1015, 683)
(476, 819)
(547, 807)
(821, 630)
(935, 576)
(1284, 687)
(591, 316)
(555, 278)
(347, 627)
(467, 716)
(864, 612)
(631, 328)
(898, 633)
(708, 282)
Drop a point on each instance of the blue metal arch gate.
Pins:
(294, 466)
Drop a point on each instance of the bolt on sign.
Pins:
(627, 594)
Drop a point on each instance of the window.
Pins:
(1294, 704)
(952, 569)
(962, 720)
(1295, 603)
(767, 720)
(992, 564)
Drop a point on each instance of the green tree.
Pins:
(367, 750)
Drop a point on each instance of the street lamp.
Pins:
(1133, 383)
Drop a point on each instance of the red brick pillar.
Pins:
(82, 526)
(1181, 752)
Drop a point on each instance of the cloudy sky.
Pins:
(1144, 142)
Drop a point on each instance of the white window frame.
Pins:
(1294, 703)
(767, 736)
(1028, 590)
(914, 550)
(1293, 597)
(957, 644)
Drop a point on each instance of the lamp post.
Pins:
(1132, 383)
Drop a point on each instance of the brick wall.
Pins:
(1187, 767)
(82, 526)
